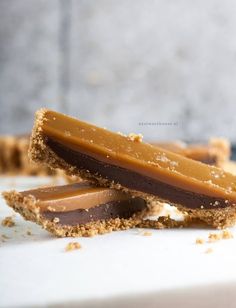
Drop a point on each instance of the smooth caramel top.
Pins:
(143, 158)
(74, 196)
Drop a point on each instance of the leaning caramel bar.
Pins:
(125, 163)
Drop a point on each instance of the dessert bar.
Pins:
(82, 209)
(152, 173)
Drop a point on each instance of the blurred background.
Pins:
(164, 68)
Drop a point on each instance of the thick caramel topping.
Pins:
(153, 162)
(73, 197)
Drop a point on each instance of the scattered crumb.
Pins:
(209, 250)
(135, 137)
(56, 220)
(225, 235)
(72, 246)
(8, 222)
(29, 233)
(213, 237)
(200, 241)
(147, 233)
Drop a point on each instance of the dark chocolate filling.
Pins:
(135, 181)
(115, 209)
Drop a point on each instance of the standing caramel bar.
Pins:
(149, 172)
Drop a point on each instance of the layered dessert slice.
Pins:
(152, 173)
(79, 209)
(216, 152)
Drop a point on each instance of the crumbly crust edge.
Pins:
(27, 207)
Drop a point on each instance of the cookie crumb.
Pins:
(200, 240)
(224, 235)
(135, 137)
(29, 232)
(8, 222)
(209, 250)
(72, 246)
(213, 237)
(147, 233)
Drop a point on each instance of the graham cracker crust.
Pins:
(26, 207)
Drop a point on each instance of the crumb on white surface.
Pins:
(200, 240)
(72, 246)
(8, 222)
(147, 233)
(209, 250)
(224, 235)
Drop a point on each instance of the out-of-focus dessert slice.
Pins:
(216, 152)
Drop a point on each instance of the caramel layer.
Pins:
(120, 151)
(105, 217)
(73, 197)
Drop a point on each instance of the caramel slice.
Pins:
(145, 171)
(216, 152)
(78, 209)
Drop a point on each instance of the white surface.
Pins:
(118, 269)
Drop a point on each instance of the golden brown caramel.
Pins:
(141, 158)
(74, 196)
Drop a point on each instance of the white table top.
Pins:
(118, 269)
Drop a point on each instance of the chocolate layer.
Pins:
(136, 181)
(116, 209)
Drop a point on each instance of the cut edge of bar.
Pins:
(26, 207)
